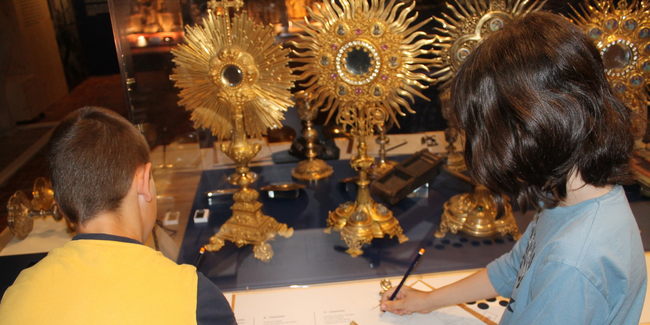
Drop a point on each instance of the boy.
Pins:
(102, 182)
(543, 124)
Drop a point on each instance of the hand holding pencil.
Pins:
(408, 300)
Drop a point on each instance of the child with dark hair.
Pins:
(543, 124)
(102, 182)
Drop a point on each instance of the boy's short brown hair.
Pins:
(92, 157)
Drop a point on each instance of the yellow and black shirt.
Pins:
(105, 279)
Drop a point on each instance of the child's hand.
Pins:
(407, 301)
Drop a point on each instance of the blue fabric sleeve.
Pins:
(211, 306)
(565, 291)
(503, 271)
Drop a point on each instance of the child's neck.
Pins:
(111, 224)
(578, 191)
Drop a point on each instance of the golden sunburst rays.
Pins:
(622, 35)
(472, 22)
(231, 65)
(363, 54)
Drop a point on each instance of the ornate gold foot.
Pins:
(215, 244)
(249, 226)
(312, 169)
(263, 251)
(360, 223)
(475, 214)
(444, 228)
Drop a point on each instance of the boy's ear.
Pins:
(143, 181)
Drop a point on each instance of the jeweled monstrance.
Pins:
(359, 60)
(473, 213)
(621, 31)
(236, 81)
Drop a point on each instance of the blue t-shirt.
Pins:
(581, 264)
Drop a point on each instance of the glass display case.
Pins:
(188, 166)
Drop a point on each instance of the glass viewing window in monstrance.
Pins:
(617, 57)
(358, 61)
(232, 75)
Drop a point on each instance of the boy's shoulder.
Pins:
(104, 274)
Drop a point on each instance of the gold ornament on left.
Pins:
(236, 81)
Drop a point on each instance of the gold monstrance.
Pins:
(359, 62)
(473, 213)
(236, 81)
(622, 34)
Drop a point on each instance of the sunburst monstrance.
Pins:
(359, 62)
(236, 81)
(622, 34)
(362, 53)
(228, 63)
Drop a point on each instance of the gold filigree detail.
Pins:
(622, 35)
(471, 22)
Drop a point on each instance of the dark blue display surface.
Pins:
(311, 255)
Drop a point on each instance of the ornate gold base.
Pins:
(475, 214)
(249, 226)
(360, 223)
(311, 170)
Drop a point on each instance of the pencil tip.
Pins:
(421, 251)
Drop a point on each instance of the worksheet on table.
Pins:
(339, 304)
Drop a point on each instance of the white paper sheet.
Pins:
(338, 304)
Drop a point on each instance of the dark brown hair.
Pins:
(92, 157)
(536, 106)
